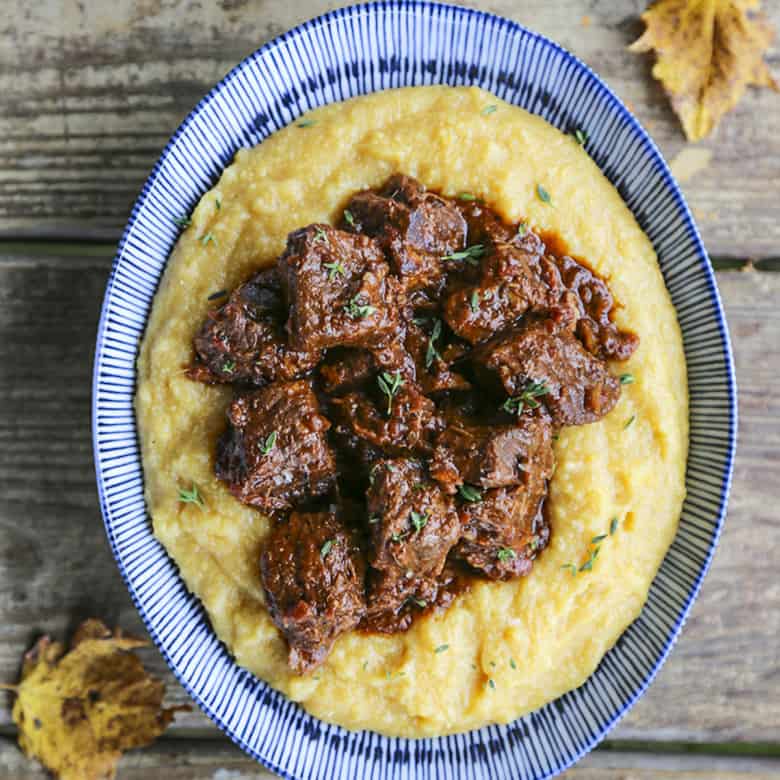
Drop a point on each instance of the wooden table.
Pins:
(89, 94)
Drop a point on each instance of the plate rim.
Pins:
(726, 353)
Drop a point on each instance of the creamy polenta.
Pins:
(502, 649)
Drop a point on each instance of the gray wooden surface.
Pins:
(89, 93)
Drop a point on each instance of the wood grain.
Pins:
(184, 759)
(101, 87)
(721, 684)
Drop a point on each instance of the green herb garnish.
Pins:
(269, 443)
(348, 218)
(506, 554)
(581, 136)
(598, 539)
(544, 196)
(334, 269)
(374, 519)
(474, 302)
(358, 310)
(512, 663)
(325, 549)
(207, 238)
(390, 384)
(630, 421)
(191, 496)
(488, 110)
(466, 196)
(627, 379)
(421, 603)
(419, 520)
(215, 296)
(491, 683)
(571, 567)
(588, 565)
(320, 236)
(441, 648)
(432, 353)
(307, 123)
(229, 366)
(182, 222)
(527, 398)
(470, 493)
(613, 525)
(471, 254)
(218, 203)
(522, 229)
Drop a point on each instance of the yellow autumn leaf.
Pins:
(707, 53)
(78, 711)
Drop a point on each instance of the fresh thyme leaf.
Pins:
(581, 136)
(544, 196)
(630, 421)
(191, 496)
(215, 296)
(358, 310)
(421, 603)
(334, 269)
(307, 123)
(365, 665)
(474, 301)
(506, 554)
(522, 229)
(613, 525)
(491, 683)
(588, 565)
(218, 203)
(374, 519)
(571, 567)
(269, 443)
(527, 398)
(207, 238)
(419, 520)
(488, 110)
(466, 196)
(229, 366)
(441, 648)
(320, 236)
(512, 663)
(182, 222)
(627, 379)
(599, 538)
(556, 436)
(471, 254)
(399, 537)
(325, 549)
(348, 218)
(432, 353)
(470, 493)
(390, 384)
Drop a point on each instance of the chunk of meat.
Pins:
(245, 341)
(594, 306)
(339, 289)
(275, 452)
(413, 525)
(347, 370)
(415, 228)
(408, 426)
(510, 285)
(492, 455)
(504, 530)
(484, 225)
(312, 573)
(573, 384)
(427, 347)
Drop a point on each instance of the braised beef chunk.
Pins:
(396, 417)
(539, 362)
(415, 228)
(595, 307)
(275, 452)
(244, 340)
(504, 530)
(412, 367)
(510, 284)
(490, 454)
(413, 525)
(312, 572)
(339, 289)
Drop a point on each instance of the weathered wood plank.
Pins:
(722, 682)
(185, 759)
(87, 109)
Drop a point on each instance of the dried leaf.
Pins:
(78, 711)
(708, 52)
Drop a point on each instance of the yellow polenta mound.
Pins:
(511, 646)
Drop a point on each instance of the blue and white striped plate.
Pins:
(346, 53)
